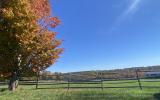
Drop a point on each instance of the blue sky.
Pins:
(107, 34)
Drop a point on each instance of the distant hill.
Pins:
(101, 74)
(111, 74)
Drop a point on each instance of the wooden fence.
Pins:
(98, 81)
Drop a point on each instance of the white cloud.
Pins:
(134, 5)
(127, 12)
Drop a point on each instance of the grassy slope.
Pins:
(30, 93)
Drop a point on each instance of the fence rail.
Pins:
(97, 82)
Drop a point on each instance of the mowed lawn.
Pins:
(55, 92)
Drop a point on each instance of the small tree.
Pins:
(27, 46)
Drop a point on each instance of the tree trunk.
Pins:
(13, 83)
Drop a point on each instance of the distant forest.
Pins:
(126, 73)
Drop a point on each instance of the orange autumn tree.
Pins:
(26, 43)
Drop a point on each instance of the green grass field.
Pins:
(56, 92)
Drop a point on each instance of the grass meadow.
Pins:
(150, 91)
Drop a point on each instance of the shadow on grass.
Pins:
(98, 96)
(86, 96)
(3, 89)
(157, 96)
(50, 88)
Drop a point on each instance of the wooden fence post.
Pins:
(69, 79)
(139, 82)
(101, 81)
(68, 84)
(37, 80)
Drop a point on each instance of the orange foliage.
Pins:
(24, 30)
